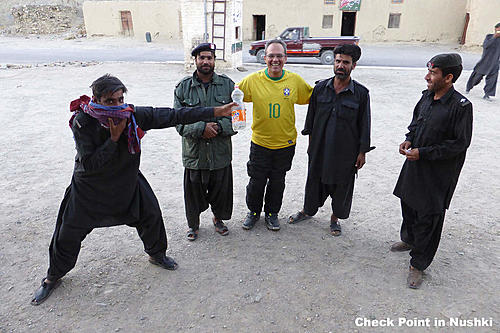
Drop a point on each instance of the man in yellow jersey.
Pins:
(274, 92)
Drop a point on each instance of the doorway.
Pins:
(259, 27)
(348, 23)
(127, 26)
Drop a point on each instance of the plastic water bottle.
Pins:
(239, 115)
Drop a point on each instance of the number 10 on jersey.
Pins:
(274, 110)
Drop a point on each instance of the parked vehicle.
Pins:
(300, 44)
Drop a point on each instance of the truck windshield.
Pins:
(290, 34)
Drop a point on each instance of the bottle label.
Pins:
(238, 115)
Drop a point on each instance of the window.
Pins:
(394, 20)
(329, 2)
(327, 22)
(397, 1)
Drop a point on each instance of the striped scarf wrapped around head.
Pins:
(116, 113)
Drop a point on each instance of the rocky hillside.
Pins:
(40, 16)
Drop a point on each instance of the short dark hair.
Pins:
(348, 49)
(276, 41)
(498, 25)
(107, 84)
(455, 71)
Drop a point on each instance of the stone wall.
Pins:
(44, 19)
(7, 20)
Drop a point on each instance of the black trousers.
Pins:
(267, 170)
(208, 187)
(423, 233)
(490, 87)
(317, 192)
(67, 238)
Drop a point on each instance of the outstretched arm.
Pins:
(149, 117)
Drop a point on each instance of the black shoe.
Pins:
(250, 220)
(272, 222)
(163, 261)
(43, 292)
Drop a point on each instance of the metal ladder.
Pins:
(216, 19)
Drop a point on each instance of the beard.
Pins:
(435, 86)
(341, 74)
(206, 69)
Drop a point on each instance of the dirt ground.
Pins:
(299, 279)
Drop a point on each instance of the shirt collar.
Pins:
(274, 78)
(215, 79)
(349, 87)
(444, 99)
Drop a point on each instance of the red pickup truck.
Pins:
(300, 44)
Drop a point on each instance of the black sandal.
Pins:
(335, 228)
(192, 234)
(43, 292)
(297, 217)
(220, 227)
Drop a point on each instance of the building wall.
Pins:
(160, 18)
(421, 20)
(484, 15)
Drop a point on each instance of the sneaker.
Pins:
(250, 220)
(272, 221)
(487, 98)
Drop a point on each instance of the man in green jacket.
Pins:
(206, 145)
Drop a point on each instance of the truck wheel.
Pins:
(260, 56)
(327, 57)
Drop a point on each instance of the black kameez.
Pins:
(108, 189)
(441, 130)
(339, 129)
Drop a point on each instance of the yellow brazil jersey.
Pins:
(273, 100)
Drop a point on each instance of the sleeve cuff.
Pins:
(423, 152)
(366, 149)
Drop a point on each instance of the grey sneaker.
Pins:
(272, 222)
(250, 220)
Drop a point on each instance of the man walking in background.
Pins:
(488, 65)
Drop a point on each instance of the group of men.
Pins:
(108, 189)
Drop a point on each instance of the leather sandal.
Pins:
(43, 292)
(415, 278)
(220, 227)
(335, 228)
(400, 247)
(192, 234)
(297, 217)
(163, 261)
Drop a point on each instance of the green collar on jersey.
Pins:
(275, 78)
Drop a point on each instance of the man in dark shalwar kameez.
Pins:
(435, 146)
(488, 65)
(107, 187)
(338, 125)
